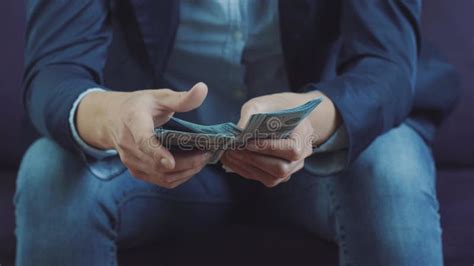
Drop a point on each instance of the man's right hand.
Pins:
(125, 121)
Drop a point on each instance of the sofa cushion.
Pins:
(7, 220)
(457, 215)
(447, 24)
(237, 245)
(11, 65)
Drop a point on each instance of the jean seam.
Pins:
(113, 256)
(151, 192)
(340, 230)
(113, 252)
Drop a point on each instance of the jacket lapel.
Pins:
(157, 21)
(309, 33)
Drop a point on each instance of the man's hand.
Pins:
(273, 161)
(125, 121)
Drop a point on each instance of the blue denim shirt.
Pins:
(235, 48)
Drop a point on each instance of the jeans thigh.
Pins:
(57, 192)
(148, 213)
(303, 204)
(382, 210)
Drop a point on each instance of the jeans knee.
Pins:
(397, 166)
(42, 165)
(49, 182)
(391, 186)
(385, 207)
(57, 208)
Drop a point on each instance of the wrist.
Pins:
(93, 118)
(325, 119)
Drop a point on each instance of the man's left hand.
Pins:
(273, 161)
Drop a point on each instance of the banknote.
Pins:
(276, 125)
(178, 134)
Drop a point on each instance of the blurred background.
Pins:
(446, 24)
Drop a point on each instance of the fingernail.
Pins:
(199, 84)
(227, 169)
(171, 179)
(166, 163)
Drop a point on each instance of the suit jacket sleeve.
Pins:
(65, 53)
(376, 70)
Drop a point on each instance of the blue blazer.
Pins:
(362, 54)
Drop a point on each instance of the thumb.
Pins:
(248, 109)
(244, 118)
(174, 101)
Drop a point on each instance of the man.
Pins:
(96, 85)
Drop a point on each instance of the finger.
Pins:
(150, 178)
(138, 162)
(140, 166)
(248, 109)
(276, 167)
(244, 119)
(287, 149)
(178, 177)
(129, 152)
(140, 174)
(294, 148)
(136, 159)
(132, 159)
(182, 101)
(139, 132)
(178, 182)
(250, 172)
(188, 160)
(145, 172)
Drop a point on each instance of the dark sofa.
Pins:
(447, 24)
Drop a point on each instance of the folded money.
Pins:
(178, 134)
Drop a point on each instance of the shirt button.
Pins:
(238, 35)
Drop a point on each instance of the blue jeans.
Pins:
(381, 211)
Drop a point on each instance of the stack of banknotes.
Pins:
(182, 135)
